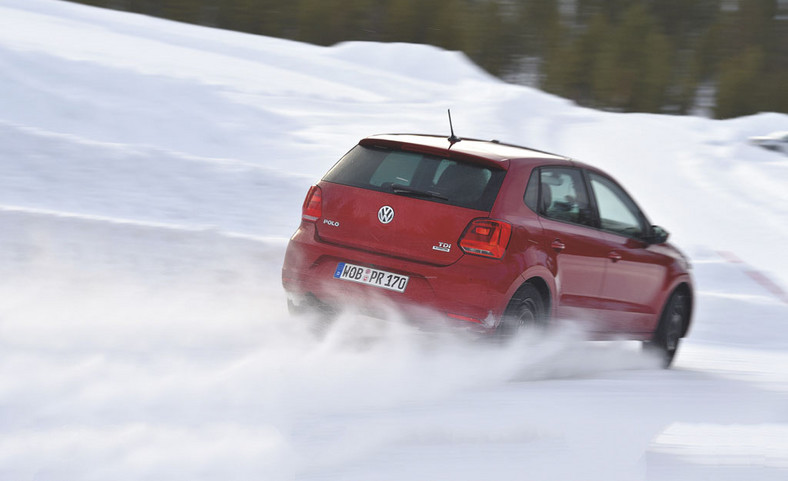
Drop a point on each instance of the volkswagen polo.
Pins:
(488, 236)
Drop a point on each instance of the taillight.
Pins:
(313, 204)
(485, 237)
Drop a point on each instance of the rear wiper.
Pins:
(405, 190)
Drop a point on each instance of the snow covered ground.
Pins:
(150, 175)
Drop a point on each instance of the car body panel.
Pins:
(473, 287)
(635, 276)
(350, 219)
(578, 268)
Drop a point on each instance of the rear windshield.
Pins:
(418, 175)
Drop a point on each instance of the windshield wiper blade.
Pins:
(405, 190)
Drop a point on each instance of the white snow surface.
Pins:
(150, 175)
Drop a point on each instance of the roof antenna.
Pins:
(453, 139)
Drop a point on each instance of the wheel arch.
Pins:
(541, 285)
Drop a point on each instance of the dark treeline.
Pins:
(666, 56)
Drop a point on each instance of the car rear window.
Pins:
(419, 175)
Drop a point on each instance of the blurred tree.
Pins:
(625, 66)
(490, 37)
(748, 44)
(180, 10)
(563, 74)
(449, 25)
(683, 20)
(655, 69)
(611, 9)
(539, 25)
(739, 90)
(405, 22)
(590, 46)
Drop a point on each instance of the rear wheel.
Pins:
(666, 339)
(526, 311)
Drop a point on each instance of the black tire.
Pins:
(671, 328)
(526, 311)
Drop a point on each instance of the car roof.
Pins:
(487, 151)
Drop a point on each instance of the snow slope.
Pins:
(150, 174)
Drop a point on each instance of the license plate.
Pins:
(371, 277)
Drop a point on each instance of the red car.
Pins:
(489, 236)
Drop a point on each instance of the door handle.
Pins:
(614, 256)
(558, 245)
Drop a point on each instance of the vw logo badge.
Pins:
(385, 214)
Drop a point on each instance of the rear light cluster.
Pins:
(313, 204)
(485, 237)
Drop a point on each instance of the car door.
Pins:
(635, 274)
(577, 253)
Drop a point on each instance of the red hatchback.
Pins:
(489, 235)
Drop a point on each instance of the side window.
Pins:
(563, 195)
(617, 211)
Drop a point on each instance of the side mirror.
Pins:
(658, 235)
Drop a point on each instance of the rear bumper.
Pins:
(472, 292)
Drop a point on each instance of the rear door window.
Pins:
(563, 196)
(420, 176)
